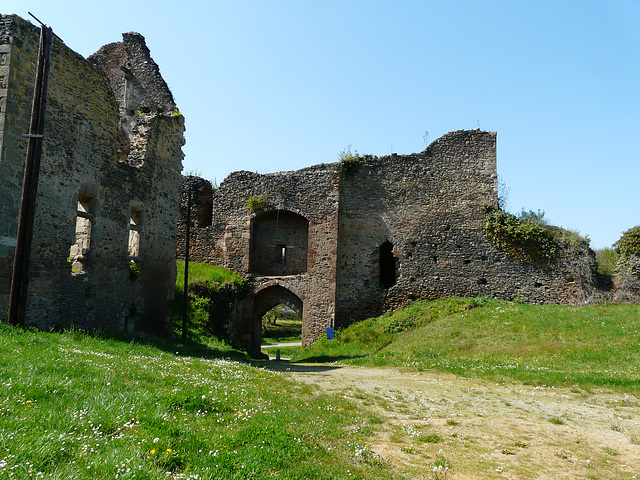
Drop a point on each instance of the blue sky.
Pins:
(277, 85)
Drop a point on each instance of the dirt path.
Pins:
(489, 430)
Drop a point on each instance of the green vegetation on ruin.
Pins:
(590, 346)
(351, 162)
(256, 203)
(629, 242)
(526, 238)
(212, 291)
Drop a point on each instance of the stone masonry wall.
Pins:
(96, 193)
(311, 195)
(398, 228)
(429, 207)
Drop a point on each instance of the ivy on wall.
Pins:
(628, 264)
(529, 241)
(629, 242)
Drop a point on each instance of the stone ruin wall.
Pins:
(241, 240)
(426, 208)
(106, 159)
(429, 206)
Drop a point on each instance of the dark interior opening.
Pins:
(279, 243)
(387, 265)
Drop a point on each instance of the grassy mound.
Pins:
(592, 346)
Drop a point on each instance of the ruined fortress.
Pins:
(103, 253)
(339, 244)
(335, 242)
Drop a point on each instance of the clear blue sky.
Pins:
(277, 85)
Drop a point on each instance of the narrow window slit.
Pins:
(79, 251)
(135, 229)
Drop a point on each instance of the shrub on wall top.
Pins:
(526, 239)
(351, 162)
(256, 203)
(629, 242)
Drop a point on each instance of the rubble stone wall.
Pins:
(429, 206)
(109, 176)
(394, 229)
(305, 197)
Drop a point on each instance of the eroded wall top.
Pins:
(134, 76)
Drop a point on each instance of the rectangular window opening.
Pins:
(281, 254)
(135, 228)
(79, 251)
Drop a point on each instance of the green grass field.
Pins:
(591, 346)
(74, 405)
(79, 406)
(284, 331)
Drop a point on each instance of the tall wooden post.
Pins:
(22, 259)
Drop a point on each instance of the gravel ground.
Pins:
(487, 430)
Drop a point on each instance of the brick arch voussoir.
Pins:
(260, 310)
(295, 211)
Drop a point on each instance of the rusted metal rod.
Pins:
(22, 259)
(185, 292)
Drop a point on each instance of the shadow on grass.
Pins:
(287, 366)
(188, 347)
(329, 358)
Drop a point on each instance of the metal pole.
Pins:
(22, 259)
(185, 294)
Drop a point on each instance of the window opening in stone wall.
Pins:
(281, 254)
(135, 228)
(79, 251)
(387, 265)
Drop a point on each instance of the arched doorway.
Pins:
(267, 298)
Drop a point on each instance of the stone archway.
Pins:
(265, 298)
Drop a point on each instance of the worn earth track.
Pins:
(489, 430)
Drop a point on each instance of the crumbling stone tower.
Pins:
(103, 253)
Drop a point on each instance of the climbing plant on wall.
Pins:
(526, 239)
(629, 242)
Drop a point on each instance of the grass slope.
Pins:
(205, 313)
(200, 272)
(84, 407)
(591, 346)
(285, 330)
